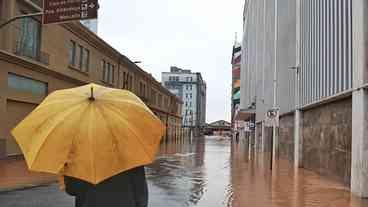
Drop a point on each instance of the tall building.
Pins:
(308, 61)
(191, 88)
(235, 87)
(91, 24)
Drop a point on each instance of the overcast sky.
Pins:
(190, 34)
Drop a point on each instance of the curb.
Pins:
(25, 187)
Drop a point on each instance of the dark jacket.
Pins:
(127, 189)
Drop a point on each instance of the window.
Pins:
(124, 80)
(78, 56)
(166, 102)
(160, 100)
(142, 89)
(190, 96)
(153, 97)
(72, 50)
(25, 84)
(130, 82)
(108, 72)
(29, 39)
(85, 60)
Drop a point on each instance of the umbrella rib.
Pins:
(71, 110)
(138, 138)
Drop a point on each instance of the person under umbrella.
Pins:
(99, 139)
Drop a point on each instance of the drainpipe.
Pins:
(298, 114)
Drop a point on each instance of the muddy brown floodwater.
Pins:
(215, 172)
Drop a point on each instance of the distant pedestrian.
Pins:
(128, 189)
(237, 136)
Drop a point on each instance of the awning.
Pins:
(243, 115)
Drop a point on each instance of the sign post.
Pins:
(59, 11)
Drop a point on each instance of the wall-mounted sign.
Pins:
(272, 117)
(59, 11)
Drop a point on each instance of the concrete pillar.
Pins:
(256, 138)
(263, 137)
(298, 140)
(275, 147)
(359, 154)
(359, 158)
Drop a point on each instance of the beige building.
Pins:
(37, 59)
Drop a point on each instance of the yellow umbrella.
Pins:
(97, 131)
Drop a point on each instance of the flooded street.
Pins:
(216, 172)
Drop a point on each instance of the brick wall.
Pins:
(286, 137)
(327, 140)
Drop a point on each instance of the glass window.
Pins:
(25, 84)
(124, 76)
(85, 60)
(80, 56)
(105, 72)
(77, 58)
(29, 38)
(131, 82)
(72, 49)
(111, 73)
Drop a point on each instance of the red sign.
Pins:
(58, 11)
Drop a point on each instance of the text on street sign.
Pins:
(58, 11)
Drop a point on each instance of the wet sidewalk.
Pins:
(14, 174)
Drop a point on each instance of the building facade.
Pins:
(235, 87)
(191, 88)
(307, 59)
(37, 59)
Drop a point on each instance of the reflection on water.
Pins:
(215, 172)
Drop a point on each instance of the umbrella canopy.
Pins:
(97, 131)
